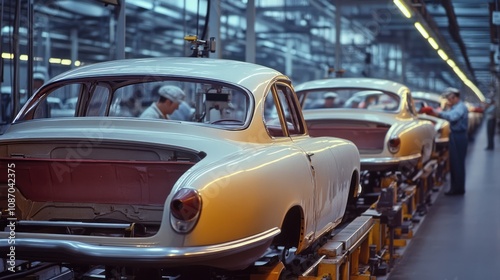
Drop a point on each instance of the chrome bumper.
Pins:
(383, 163)
(70, 251)
(442, 140)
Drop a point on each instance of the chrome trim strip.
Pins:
(390, 160)
(442, 140)
(73, 224)
(76, 251)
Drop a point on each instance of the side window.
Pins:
(290, 110)
(283, 114)
(271, 117)
(126, 102)
(57, 103)
(98, 102)
(411, 104)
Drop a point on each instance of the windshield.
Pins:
(147, 98)
(350, 98)
(421, 102)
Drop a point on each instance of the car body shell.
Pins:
(431, 99)
(373, 128)
(437, 102)
(255, 189)
(441, 126)
(475, 117)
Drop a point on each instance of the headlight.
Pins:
(185, 209)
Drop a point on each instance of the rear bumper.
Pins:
(389, 163)
(225, 255)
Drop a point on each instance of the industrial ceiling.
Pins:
(297, 37)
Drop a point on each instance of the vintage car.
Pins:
(379, 117)
(475, 118)
(434, 100)
(428, 99)
(438, 103)
(57, 109)
(218, 191)
(441, 126)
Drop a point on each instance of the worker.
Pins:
(169, 99)
(328, 100)
(457, 115)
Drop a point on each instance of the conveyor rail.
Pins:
(342, 255)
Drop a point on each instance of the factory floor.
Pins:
(460, 235)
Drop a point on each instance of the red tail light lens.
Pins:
(394, 144)
(185, 205)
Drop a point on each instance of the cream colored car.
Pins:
(441, 126)
(378, 116)
(217, 191)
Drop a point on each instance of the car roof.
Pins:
(427, 95)
(361, 83)
(366, 93)
(246, 74)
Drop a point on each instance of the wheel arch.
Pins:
(292, 229)
(352, 199)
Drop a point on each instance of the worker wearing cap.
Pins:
(170, 98)
(329, 100)
(457, 115)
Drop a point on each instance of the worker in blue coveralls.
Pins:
(457, 115)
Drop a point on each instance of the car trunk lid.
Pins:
(369, 137)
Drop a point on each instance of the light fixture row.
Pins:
(423, 31)
(52, 60)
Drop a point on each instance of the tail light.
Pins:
(394, 144)
(185, 209)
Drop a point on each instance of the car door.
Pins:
(321, 160)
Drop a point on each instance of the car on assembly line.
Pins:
(438, 103)
(217, 191)
(428, 99)
(380, 118)
(441, 126)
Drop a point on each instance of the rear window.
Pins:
(199, 101)
(373, 100)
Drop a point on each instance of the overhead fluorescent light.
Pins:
(433, 43)
(451, 63)
(422, 30)
(443, 55)
(7, 55)
(66, 61)
(406, 12)
(476, 90)
(54, 60)
(459, 73)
